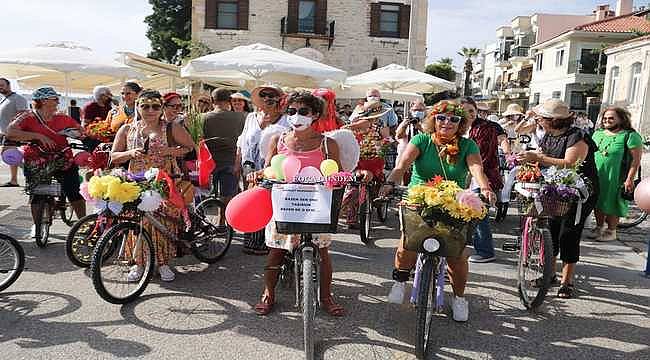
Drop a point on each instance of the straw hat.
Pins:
(513, 109)
(255, 94)
(482, 106)
(554, 109)
(370, 110)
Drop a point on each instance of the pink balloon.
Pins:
(310, 174)
(642, 194)
(250, 211)
(291, 166)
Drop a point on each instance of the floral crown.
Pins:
(446, 107)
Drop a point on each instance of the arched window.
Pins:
(635, 83)
(613, 84)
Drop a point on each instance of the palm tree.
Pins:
(446, 61)
(468, 54)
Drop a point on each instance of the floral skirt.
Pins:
(290, 241)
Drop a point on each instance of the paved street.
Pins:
(53, 312)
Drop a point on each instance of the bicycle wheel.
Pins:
(81, 240)
(211, 241)
(12, 261)
(123, 246)
(425, 306)
(382, 210)
(634, 217)
(535, 269)
(308, 300)
(365, 220)
(44, 220)
(66, 213)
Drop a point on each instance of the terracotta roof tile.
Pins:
(619, 24)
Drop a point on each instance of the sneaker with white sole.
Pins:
(396, 295)
(166, 273)
(595, 232)
(135, 273)
(608, 235)
(481, 259)
(459, 308)
(32, 232)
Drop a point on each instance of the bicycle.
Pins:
(12, 261)
(48, 197)
(367, 200)
(125, 242)
(635, 215)
(302, 265)
(433, 239)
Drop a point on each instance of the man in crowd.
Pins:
(221, 128)
(10, 104)
(96, 110)
(389, 119)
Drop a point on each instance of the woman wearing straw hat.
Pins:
(239, 102)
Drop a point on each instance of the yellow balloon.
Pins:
(269, 173)
(329, 167)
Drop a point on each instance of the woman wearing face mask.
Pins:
(124, 113)
(311, 147)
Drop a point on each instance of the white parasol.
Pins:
(397, 78)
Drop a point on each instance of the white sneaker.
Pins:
(459, 308)
(135, 273)
(595, 232)
(166, 273)
(396, 295)
(32, 232)
(608, 235)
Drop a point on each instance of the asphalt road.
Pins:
(53, 312)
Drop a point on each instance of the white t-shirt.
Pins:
(249, 140)
(9, 107)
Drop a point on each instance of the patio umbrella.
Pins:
(359, 92)
(254, 64)
(397, 78)
(62, 65)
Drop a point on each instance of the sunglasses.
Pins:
(268, 94)
(454, 119)
(302, 111)
(174, 106)
(154, 107)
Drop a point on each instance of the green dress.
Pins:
(428, 164)
(609, 158)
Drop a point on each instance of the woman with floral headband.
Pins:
(441, 150)
(145, 144)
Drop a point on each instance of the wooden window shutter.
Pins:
(242, 14)
(321, 17)
(292, 17)
(375, 16)
(404, 21)
(210, 14)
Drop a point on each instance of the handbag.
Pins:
(625, 168)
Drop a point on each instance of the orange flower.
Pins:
(453, 149)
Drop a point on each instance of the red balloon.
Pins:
(642, 194)
(250, 211)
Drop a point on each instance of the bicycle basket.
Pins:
(53, 189)
(310, 191)
(452, 236)
(551, 207)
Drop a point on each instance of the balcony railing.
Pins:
(515, 84)
(586, 67)
(519, 51)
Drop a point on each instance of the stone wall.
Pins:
(353, 49)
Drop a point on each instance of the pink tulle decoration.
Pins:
(470, 199)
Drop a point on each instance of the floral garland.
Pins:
(446, 107)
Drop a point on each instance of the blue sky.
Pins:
(112, 25)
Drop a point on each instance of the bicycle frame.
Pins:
(305, 242)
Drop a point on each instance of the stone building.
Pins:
(353, 35)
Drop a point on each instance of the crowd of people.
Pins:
(243, 131)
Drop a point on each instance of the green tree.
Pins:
(446, 60)
(468, 54)
(170, 30)
(441, 70)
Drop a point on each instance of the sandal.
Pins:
(566, 291)
(265, 306)
(537, 283)
(332, 308)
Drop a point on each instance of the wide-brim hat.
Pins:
(514, 109)
(370, 110)
(255, 94)
(482, 106)
(553, 109)
(239, 95)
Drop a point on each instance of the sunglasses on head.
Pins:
(454, 119)
(268, 94)
(154, 107)
(302, 111)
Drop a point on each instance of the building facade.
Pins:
(353, 35)
(627, 80)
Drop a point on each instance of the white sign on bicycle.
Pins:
(299, 203)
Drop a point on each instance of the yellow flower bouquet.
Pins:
(443, 210)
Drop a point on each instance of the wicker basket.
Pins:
(552, 207)
(300, 228)
(452, 235)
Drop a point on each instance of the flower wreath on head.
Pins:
(448, 147)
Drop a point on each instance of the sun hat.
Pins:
(513, 109)
(482, 106)
(553, 108)
(255, 95)
(370, 110)
(493, 118)
(239, 95)
(45, 92)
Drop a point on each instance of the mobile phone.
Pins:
(146, 146)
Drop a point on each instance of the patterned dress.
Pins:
(169, 215)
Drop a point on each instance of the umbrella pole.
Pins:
(66, 85)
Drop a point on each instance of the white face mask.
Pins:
(372, 98)
(300, 122)
(418, 114)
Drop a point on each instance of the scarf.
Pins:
(449, 147)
